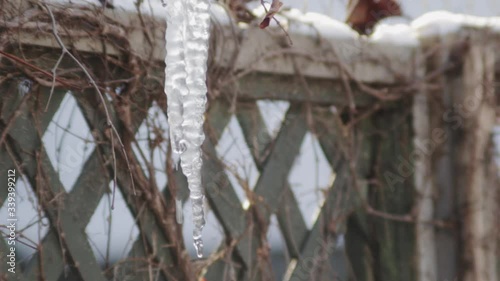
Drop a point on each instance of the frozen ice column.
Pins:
(190, 20)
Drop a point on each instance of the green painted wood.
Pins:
(290, 220)
(330, 135)
(332, 138)
(221, 270)
(273, 159)
(392, 242)
(36, 164)
(219, 190)
(22, 134)
(6, 163)
(320, 243)
(148, 223)
(66, 220)
(274, 176)
(138, 258)
(88, 188)
(357, 236)
(273, 180)
(225, 203)
(357, 244)
(147, 220)
(4, 273)
(254, 130)
(138, 265)
(218, 116)
(284, 87)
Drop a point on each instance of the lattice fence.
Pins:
(379, 207)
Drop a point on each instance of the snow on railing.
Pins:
(319, 43)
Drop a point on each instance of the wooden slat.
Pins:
(87, 186)
(149, 225)
(290, 220)
(319, 245)
(12, 102)
(258, 86)
(254, 130)
(219, 190)
(332, 138)
(392, 242)
(38, 168)
(270, 186)
(476, 172)
(138, 265)
(64, 220)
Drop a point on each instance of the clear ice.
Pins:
(179, 217)
(187, 37)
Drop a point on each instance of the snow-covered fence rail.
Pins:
(404, 120)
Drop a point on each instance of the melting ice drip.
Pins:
(187, 35)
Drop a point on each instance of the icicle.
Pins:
(187, 54)
(179, 217)
(196, 53)
(24, 87)
(175, 73)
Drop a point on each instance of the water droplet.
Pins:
(176, 159)
(24, 86)
(198, 245)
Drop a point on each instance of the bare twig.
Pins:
(101, 96)
(54, 78)
(23, 62)
(275, 8)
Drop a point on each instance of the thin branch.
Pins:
(23, 62)
(54, 78)
(275, 8)
(101, 96)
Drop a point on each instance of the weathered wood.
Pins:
(257, 86)
(38, 169)
(318, 54)
(220, 192)
(15, 109)
(152, 227)
(438, 147)
(424, 187)
(291, 222)
(139, 265)
(254, 131)
(477, 178)
(334, 138)
(274, 176)
(392, 241)
(378, 248)
(87, 186)
(320, 242)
